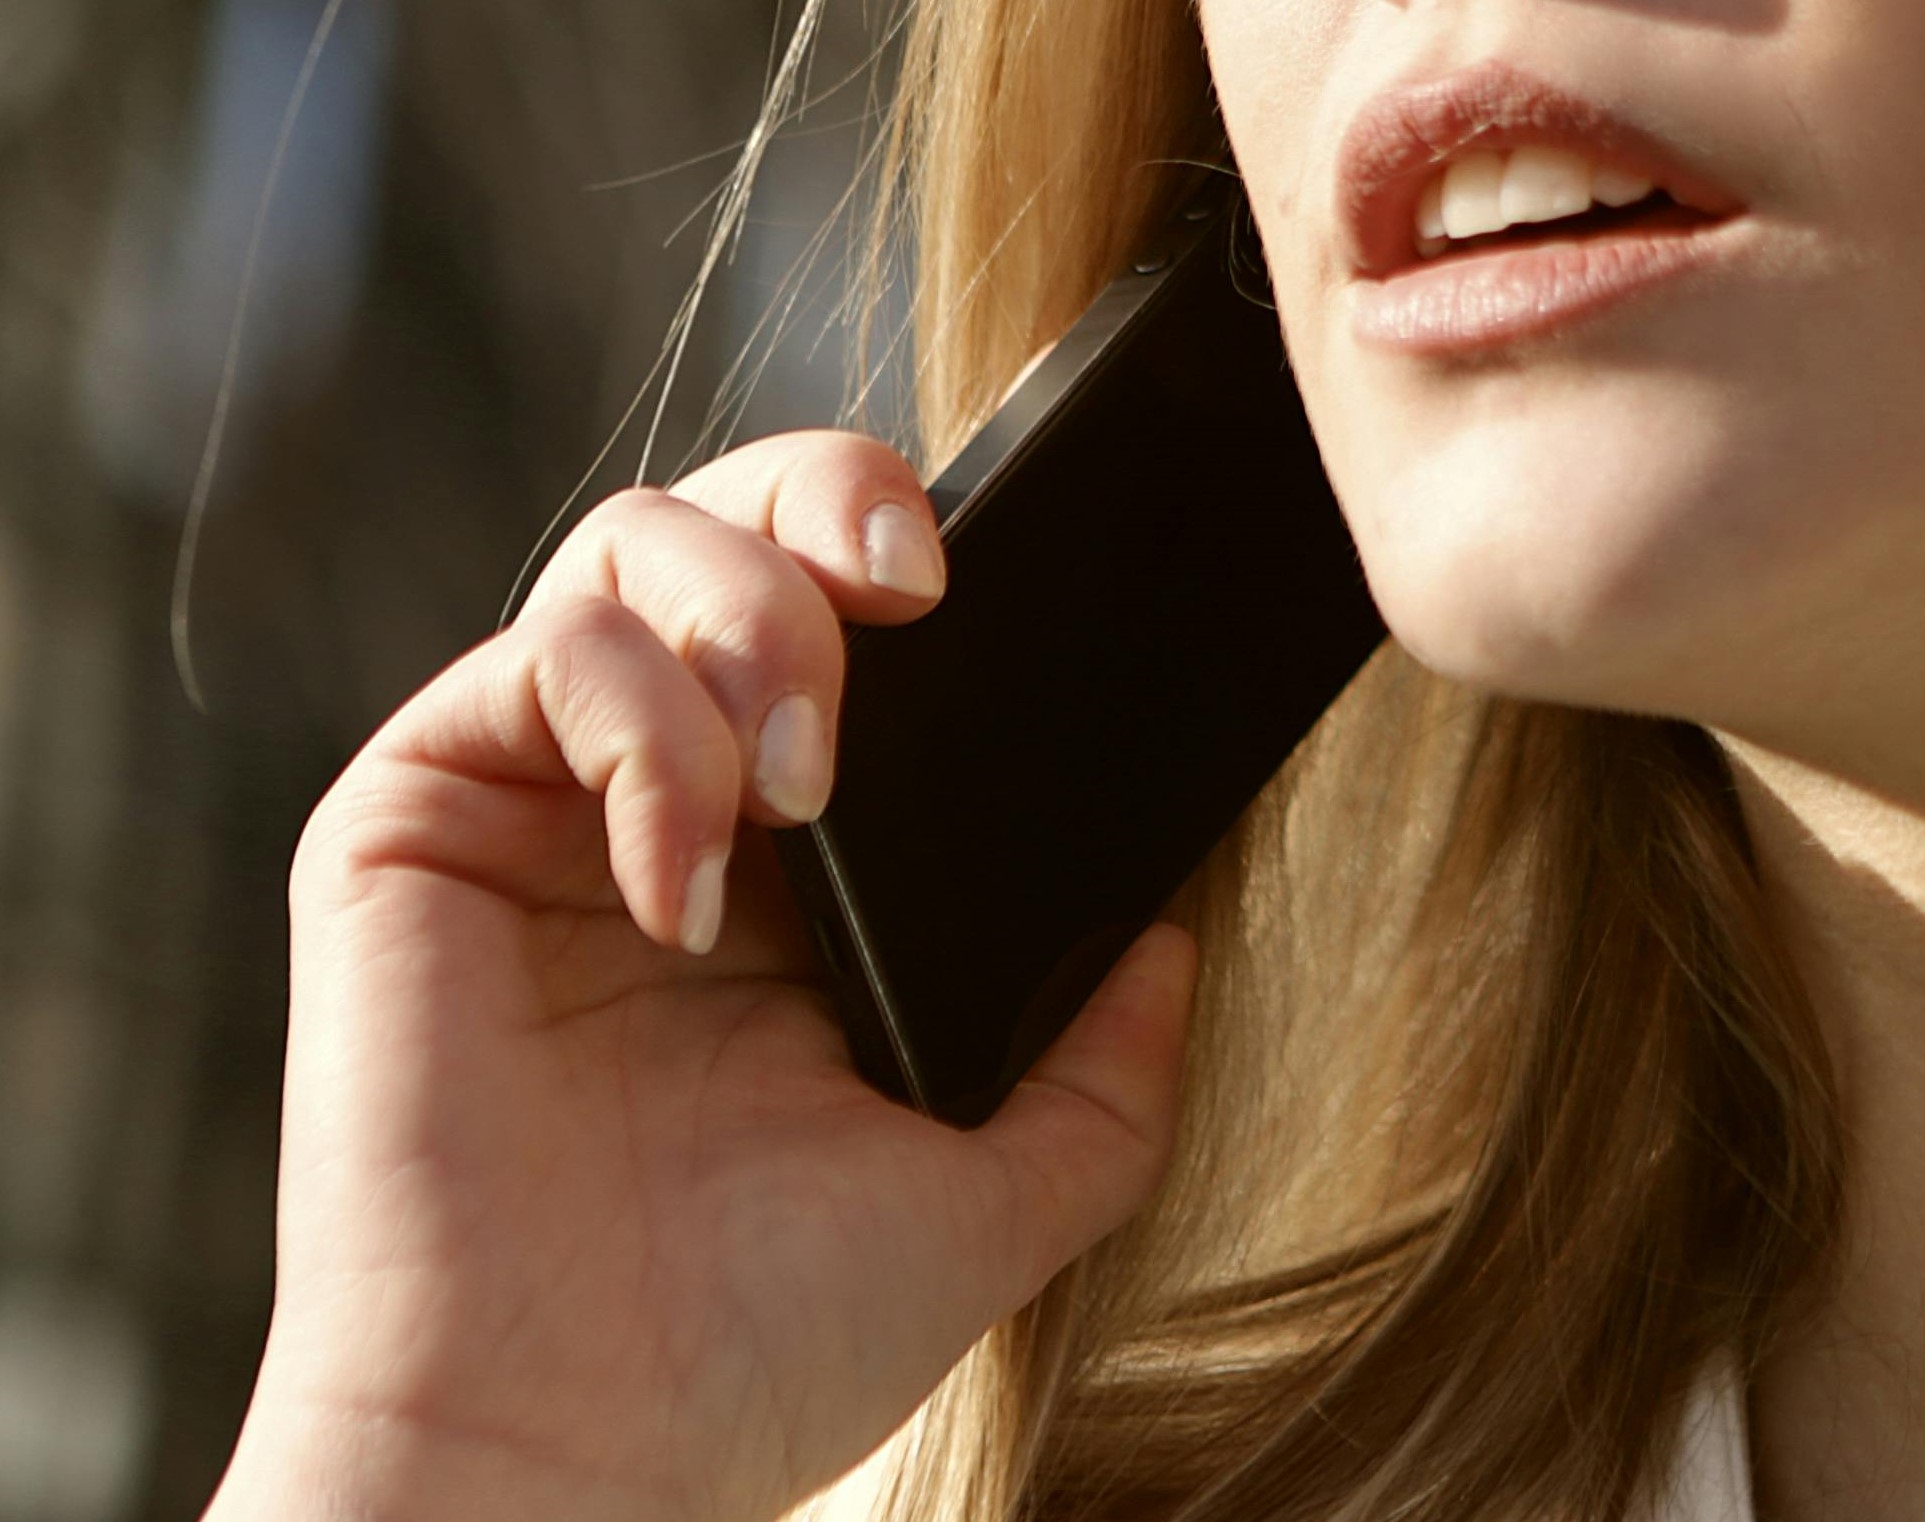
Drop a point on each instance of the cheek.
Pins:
(1270, 61)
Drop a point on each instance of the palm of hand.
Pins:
(575, 1224)
(604, 1209)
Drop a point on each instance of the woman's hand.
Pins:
(574, 1222)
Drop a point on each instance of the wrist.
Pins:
(296, 1463)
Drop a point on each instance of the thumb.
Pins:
(1081, 1142)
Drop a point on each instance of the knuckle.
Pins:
(705, 758)
(771, 600)
(740, 615)
(313, 863)
(613, 551)
(690, 568)
(668, 733)
(580, 561)
(337, 845)
(671, 783)
(762, 605)
(759, 641)
(856, 451)
(583, 626)
(698, 786)
(811, 473)
(847, 472)
(623, 515)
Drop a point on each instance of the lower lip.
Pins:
(1474, 304)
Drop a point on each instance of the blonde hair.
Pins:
(1504, 1107)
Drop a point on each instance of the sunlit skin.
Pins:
(577, 1223)
(573, 1221)
(1707, 503)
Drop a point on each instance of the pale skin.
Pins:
(576, 1223)
(1708, 504)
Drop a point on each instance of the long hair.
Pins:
(1504, 1108)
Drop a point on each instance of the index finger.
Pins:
(848, 508)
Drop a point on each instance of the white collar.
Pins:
(1710, 1481)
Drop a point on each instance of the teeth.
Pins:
(1487, 192)
(1431, 237)
(1471, 188)
(1615, 188)
(1430, 210)
(1543, 184)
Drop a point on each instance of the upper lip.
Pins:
(1403, 136)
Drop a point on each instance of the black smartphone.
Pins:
(1152, 599)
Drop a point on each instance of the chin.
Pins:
(1557, 591)
(1489, 642)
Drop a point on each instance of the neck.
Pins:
(1838, 1411)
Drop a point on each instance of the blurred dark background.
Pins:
(470, 266)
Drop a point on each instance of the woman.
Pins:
(1547, 1118)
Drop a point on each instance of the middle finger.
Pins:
(741, 615)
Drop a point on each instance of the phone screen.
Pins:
(1152, 599)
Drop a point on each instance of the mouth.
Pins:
(1408, 140)
(1656, 213)
(1503, 288)
(1489, 207)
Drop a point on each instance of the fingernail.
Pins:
(702, 903)
(792, 759)
(901, 552)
